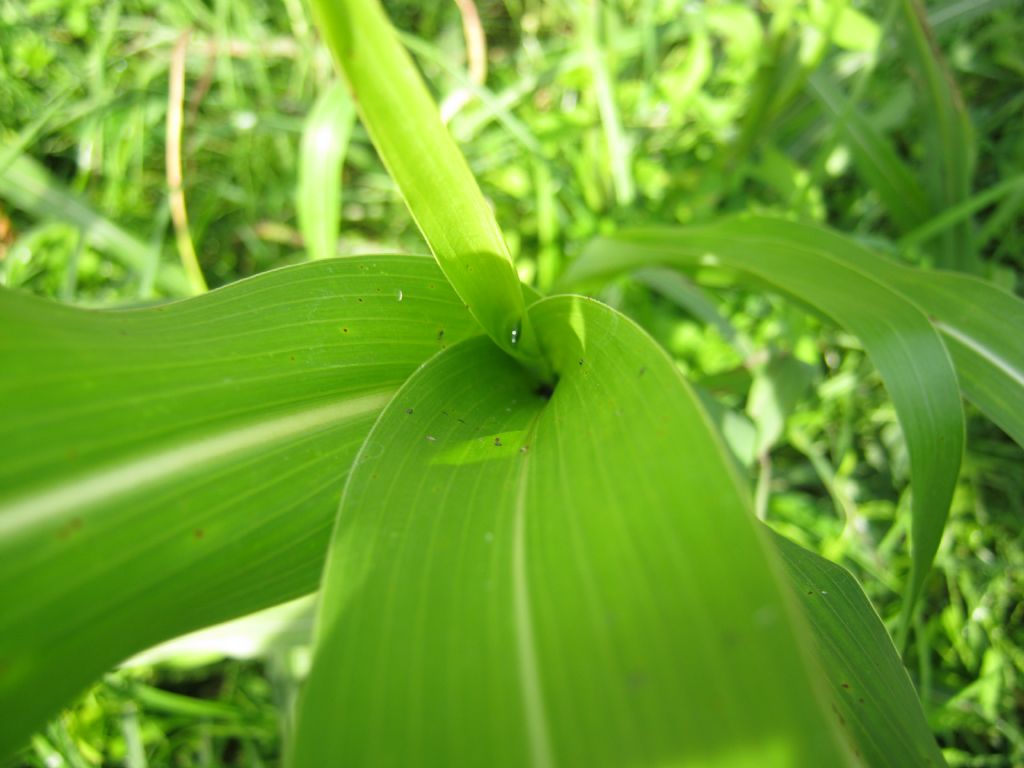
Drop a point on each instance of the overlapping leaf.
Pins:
(167, 468)
(578, 580)
(899, 338)
(980, 323)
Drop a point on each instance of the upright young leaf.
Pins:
(903, 345)
(168, 468)
(318, 193)
(435, 180)
(516, 580)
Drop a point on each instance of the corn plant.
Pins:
(532, 545)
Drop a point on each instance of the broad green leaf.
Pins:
(871, 694)
(442, 195)
(903, 345)
(874, 158)
(318, 194)
(29, 186)
(516, 580)
(168, 468)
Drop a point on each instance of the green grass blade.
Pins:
(435, 180)
(953, 12)
(318, 195)
(28, 185)
(616, 141)
(907, 351)
(168, 468)
(578, 580)
(869, 689)
(962, 212)
(948, 134)
(874, 158)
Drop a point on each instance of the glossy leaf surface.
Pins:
(578, 580)
(168, 468)
(907, 351)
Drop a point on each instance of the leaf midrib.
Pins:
(49, 504)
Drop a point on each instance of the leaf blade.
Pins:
(147, 456)
(498, 594)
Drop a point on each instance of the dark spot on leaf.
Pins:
(497, 441)
(360, 299)
(524, 449)
(461, 421)
(860, 701)
(292, 358)
(73, 526)
(377, 290)
(835, 710)
(444, 413)
(199, 533)
(344, 330)
(408, 410)
(440, 334)
(545, 391)
(810, 591)
(636, 680)
(846, 686)
(643, 370)
(581, 361)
